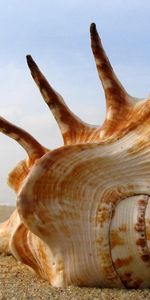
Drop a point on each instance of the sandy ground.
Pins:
(17, 282)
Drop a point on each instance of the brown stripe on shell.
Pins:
(147, 224)
(116, 239)
(122, 262)
(139, 227)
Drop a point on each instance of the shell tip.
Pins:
(29, 59)
(92, 27)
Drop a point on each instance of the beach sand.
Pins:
(17, 282)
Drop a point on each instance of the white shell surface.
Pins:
(129, 250)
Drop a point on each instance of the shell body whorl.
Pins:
(81, 206)
(83, 210)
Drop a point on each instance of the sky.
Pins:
(56, 34)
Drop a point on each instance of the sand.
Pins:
(17, 282)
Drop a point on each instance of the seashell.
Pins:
(83, 210)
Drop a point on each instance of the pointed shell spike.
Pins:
(118, 101)
(106, 73)
(104, 67)
(67, 121)
(27, 141)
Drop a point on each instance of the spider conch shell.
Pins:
(83, 210)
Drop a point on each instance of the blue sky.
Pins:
(56, 34)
